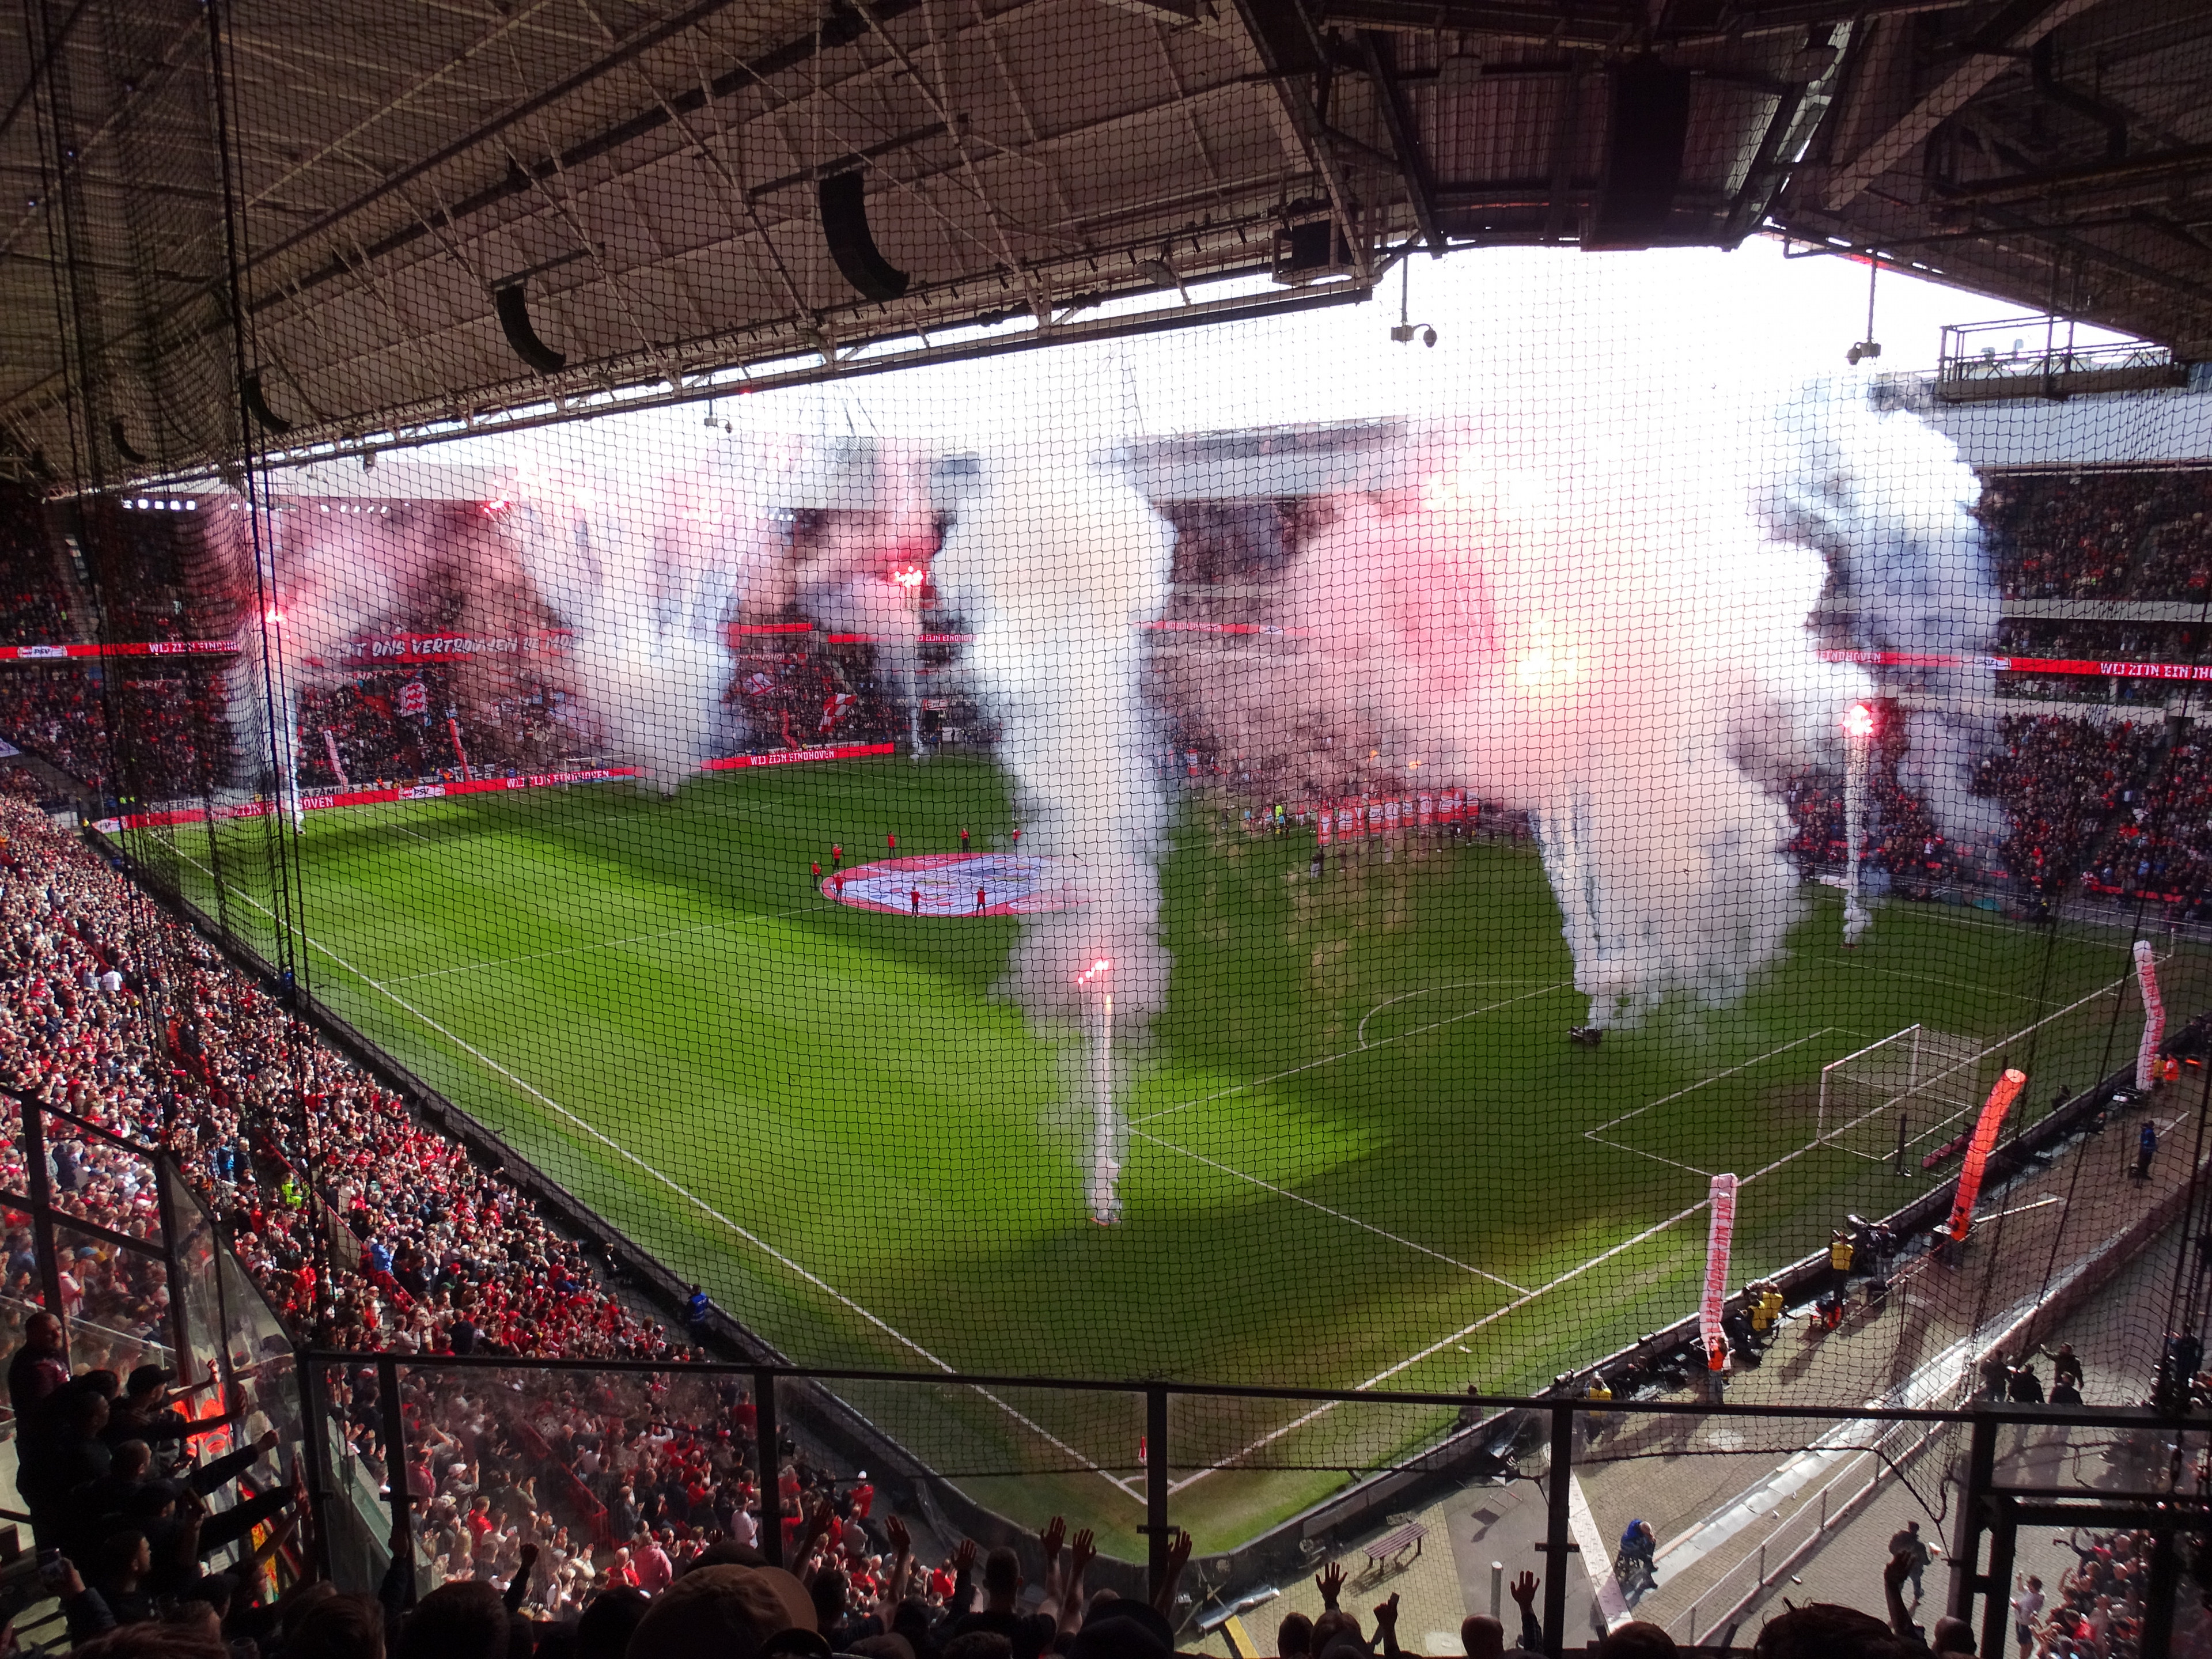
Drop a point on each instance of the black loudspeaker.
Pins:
(1285, 34)
(845, 223)
(514, 322)
(249, 392)
(1649, 127)
(115, 435)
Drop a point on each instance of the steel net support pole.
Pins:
(765, 1441)
(1967, 1541)
(395, 1472)
(1558, 1544)
(1156, 1491)
(1997, 1584)
(2164, 1587)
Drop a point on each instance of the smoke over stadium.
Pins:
(1609, 634)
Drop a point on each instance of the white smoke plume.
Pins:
(1599, 632)
(1054, 566)
(864, 573)
(327, 582)
(647, 573)
(1886, 499)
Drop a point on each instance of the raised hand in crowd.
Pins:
(1330, 1583)
(1164, 1598)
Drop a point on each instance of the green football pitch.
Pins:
(1360, 1151)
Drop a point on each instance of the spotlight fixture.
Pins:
(1404, 330)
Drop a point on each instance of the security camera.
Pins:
(1863, 351)
(1428, 337)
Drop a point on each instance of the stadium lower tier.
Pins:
(1352, 1144)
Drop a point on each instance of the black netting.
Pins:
(1573, 838)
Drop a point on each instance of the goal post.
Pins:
(1865, 1077)
(1927, 1074)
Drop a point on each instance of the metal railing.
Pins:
(1559, 1444)
(2026, 352)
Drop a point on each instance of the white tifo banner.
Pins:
(1716, 1269)
(2153, 1031)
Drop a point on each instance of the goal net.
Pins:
(1926, 1076)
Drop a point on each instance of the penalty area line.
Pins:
(1313, 1204)
(1597, 1137)
(1435, 1348)
(1330, 1060)
(1756, 1060)
(705, 1208)
(1360, 1036)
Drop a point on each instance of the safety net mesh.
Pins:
(1523, 837)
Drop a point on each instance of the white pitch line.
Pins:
(1330, 1060)
(1460, 1336)
(599, 944)
(753, 1239)
(1312, 1204)
(1676, 1220)
(1937, 979)
(1756, 1060)
(1360, 1036)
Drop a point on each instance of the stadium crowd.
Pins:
(2135, 535)
(112, 1011)
(179, 740)
(2087, 805)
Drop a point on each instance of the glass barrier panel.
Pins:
(251, 1332)
(356, 1514)
(196, 1252)
(116, 1299)
(21, 1297)
(95, 1179)
(253, 1510)
(1023, 1454)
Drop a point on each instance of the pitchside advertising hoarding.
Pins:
(257, 808)
(420, 792)
(404, 650)
(132, 649)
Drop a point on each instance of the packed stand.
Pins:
(118, 1013)
(408, 724)
(2097, 1610)
(34, 610)
(2090, 807)
(179, 742)
(2135, 535)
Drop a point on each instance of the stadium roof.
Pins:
(265, 224)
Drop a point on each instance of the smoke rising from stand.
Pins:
(1601, 632)
(1886, 498)
(647, 573)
